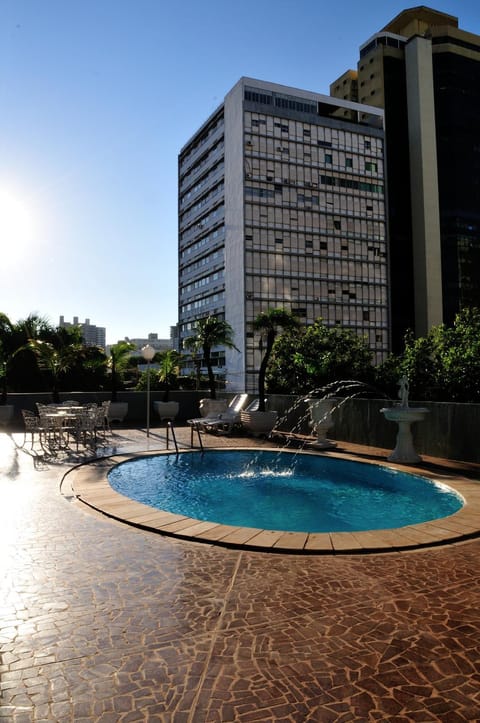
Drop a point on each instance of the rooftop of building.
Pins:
(417, 20)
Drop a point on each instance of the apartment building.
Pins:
(282, 204)
(424, 71)
(92, 335)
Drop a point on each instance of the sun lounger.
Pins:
(229, 417)
(227, 421)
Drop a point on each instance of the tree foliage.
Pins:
(118, 363)
(20, 369)
(7, 351)
(442, 366)
(312, 357)
(166, 376)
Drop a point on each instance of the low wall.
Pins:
(137, 404)
(449, 430)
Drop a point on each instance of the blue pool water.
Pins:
(283, 491)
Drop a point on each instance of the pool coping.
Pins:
(91, 487)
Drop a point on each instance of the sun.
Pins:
(16, 227)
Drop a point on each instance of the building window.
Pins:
(348, 163)
(370, 166)
(328, 158)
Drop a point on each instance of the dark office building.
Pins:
(425, 72)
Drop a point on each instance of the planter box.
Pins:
(166, 410)
(259, 423)
(6, 414)
(117, 411)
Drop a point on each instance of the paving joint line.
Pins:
(214, 636)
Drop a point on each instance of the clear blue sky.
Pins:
(96, 99)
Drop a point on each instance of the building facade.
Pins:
(92, 335)
(425, 73)
(282, 204)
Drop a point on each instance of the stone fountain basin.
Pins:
(404, 414)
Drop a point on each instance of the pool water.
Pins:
(283, 491)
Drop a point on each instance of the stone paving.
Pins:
(101, 621)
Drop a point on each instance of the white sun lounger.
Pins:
(229, 417)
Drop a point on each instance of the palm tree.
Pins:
(55, 360)
(118, 362)
(268, 323)
(210, 332)
(58, 353)
(168, 372)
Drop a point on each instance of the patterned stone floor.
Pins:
(104, 622)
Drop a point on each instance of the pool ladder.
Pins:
(171, 428)
(196, 426)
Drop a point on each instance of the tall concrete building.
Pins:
(282, 204)
(425, 73)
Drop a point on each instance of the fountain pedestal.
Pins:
(321, 421)
(404, 451)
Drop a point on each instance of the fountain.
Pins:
(404, 416)
(322, 403)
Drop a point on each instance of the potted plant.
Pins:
(268, 323)
(118, 362)
(167, 376)
(210, 332)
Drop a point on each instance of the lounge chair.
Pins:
(227, 421)
(229, 416)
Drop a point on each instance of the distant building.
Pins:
(153, 340)
(92, 335)
(282, 204)
(175, 337)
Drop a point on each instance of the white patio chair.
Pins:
(33, 426)
(85, 429)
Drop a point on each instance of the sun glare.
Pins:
(16, 227)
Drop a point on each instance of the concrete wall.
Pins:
(449, 430)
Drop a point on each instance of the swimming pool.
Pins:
(283, 491)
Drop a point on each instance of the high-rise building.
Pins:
(282, 204)
(92, 335)
(425, 73)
